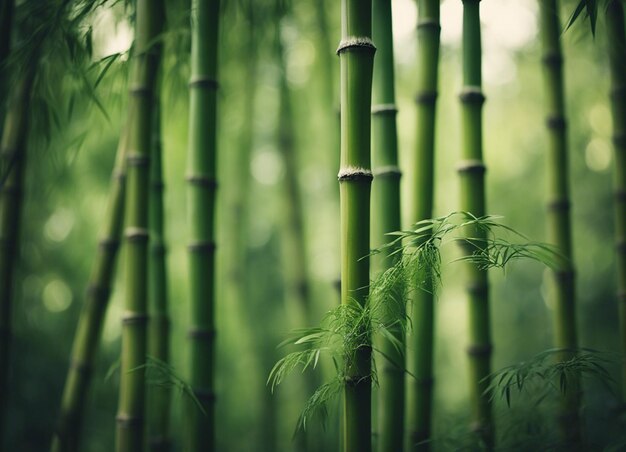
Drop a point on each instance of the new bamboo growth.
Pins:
(420, 343)
(201, 178)
(385, 218)
(559, 224)
(617, 59)
(91, 319)
(472, 174)
(356, 54)
(130, 417)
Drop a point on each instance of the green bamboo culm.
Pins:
(87, 337)
(131, 409)
(385, 218)
(559, 223)
(356, 54)
(472, 183)
(12, 158)
(201, 178)
(159, 322)
(617, 58)
(420, 342)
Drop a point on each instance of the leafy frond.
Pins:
(547, 372)
(318, 402)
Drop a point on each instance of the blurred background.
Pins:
(68, 179)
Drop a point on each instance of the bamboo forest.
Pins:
(312, 226)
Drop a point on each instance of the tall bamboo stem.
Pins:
(356, 54)
(91, 319)
(201, 177)
(559, 223)
(617, 59)
(471, 171)
(385, 218)
(130, 417)
(420, 348)
(13, 155)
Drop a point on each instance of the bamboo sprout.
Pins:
(130, 417)
(201, 179)
(617, 59)
(559, 224)
(471, 171)
(356, 54)
(91, 320)
(420, 344)
(385, 218)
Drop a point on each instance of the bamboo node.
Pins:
(202, 247)
(134, 234)
(354, 380)
(128, 421)
(471, 166)
(207, 334)
(384, 109)
(353, 173)
(204, 82)
(556, 122)
(429, 23)
(479, 350)
(202, 181)
(552, 59)
(364, 43)
(472, 95)
(138, 160)
(426, 98)
(559, 205)
(129, 318)
(388, 171)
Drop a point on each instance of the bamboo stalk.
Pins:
(91, 320)
(201, 177)
(159, 322)
(385, 218)
(471, 172)
(130, 417)
(420, 349)
(356, 55)
(13, 155)
(617, 59)
(559, 223)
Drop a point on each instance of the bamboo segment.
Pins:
(130, 417)
(472, 171)
(158, 324)
(385, 218)
(201, 177)
(420, 344)
(617, 60)
(559, 223)
(13, 156)
(356, 54)
(91, 320)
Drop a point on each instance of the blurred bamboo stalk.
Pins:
(131, 409)
(617, 59)
(472, 183)
(91, 320)
(420, 344)
(202, 184)
(559, 223)
(385, 218)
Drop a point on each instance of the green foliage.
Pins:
(348, 328)
(545, 374)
